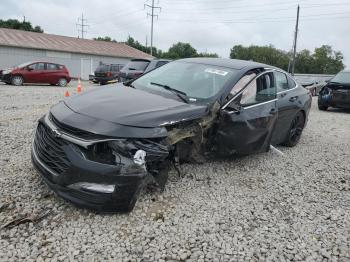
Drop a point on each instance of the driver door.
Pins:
(247, 121)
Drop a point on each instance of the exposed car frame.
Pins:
(98, 156)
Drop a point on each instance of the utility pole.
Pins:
(82, 23)
(152, 15)
(295, 40)
(146, 42)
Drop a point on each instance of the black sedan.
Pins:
(336, 93)
(100, 148)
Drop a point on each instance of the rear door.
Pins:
(52, 73)
(287, 105)
(247, 121)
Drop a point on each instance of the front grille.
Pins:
(75, 131)
(48, 149)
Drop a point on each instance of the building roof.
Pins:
(25, 39)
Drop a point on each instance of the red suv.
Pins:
(37, 72)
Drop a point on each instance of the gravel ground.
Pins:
(256, 208)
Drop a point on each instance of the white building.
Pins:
(80, 56)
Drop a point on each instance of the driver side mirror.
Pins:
(29, 69)
(233, 106)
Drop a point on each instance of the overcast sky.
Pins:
(209, 25)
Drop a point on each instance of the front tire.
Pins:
(17, 80)
(62, 82)
(295, 130)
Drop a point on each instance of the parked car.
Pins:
(99, 149)
(155, 64)
(37, 72)
(133, 69)
(336, 93)
(107, 73)
(314, 87)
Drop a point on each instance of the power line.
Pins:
(152, 15)
(81, 23)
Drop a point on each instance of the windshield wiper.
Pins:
(178, 93)
(129, 83)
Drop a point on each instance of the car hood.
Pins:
(338, 86)
(132, 107)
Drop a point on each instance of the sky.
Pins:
(208, 25)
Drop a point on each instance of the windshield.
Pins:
(24, 64)
(197, 81)
(136, 65)
(342, 77)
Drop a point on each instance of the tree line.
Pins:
(323, 60)
(176, 51)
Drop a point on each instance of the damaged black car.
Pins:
(99, 149)
(336, 93)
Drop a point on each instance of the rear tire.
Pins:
(62, 82)
(17, 80)
(295, 130)
(322, 108)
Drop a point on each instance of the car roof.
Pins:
(226, 62)
(159, 59)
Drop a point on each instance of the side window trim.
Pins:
(242, 90)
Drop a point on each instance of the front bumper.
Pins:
(340, 99)
(6, 78)
(64, 169)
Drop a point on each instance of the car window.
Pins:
(102, 68)
(52, 67)
(137, 65)
(242, 83)
(291, 82)
(260, 90)
(32, 66)
(281, 81)
(39, 66)
(160, 63)
(115, 68)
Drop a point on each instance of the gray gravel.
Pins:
(260, 207)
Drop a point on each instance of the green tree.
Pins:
(180, 50)
(15, 24)
(137, 45)
(327, 61)
(263, 54)
(105, 38)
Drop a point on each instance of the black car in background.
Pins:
(106, 73)
(133, 69)
(101, 148)
(336, 93)
(155, 64)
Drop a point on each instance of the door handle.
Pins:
(293, 99)
(273, 111)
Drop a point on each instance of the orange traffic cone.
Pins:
(79, 86)
(66, 94)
